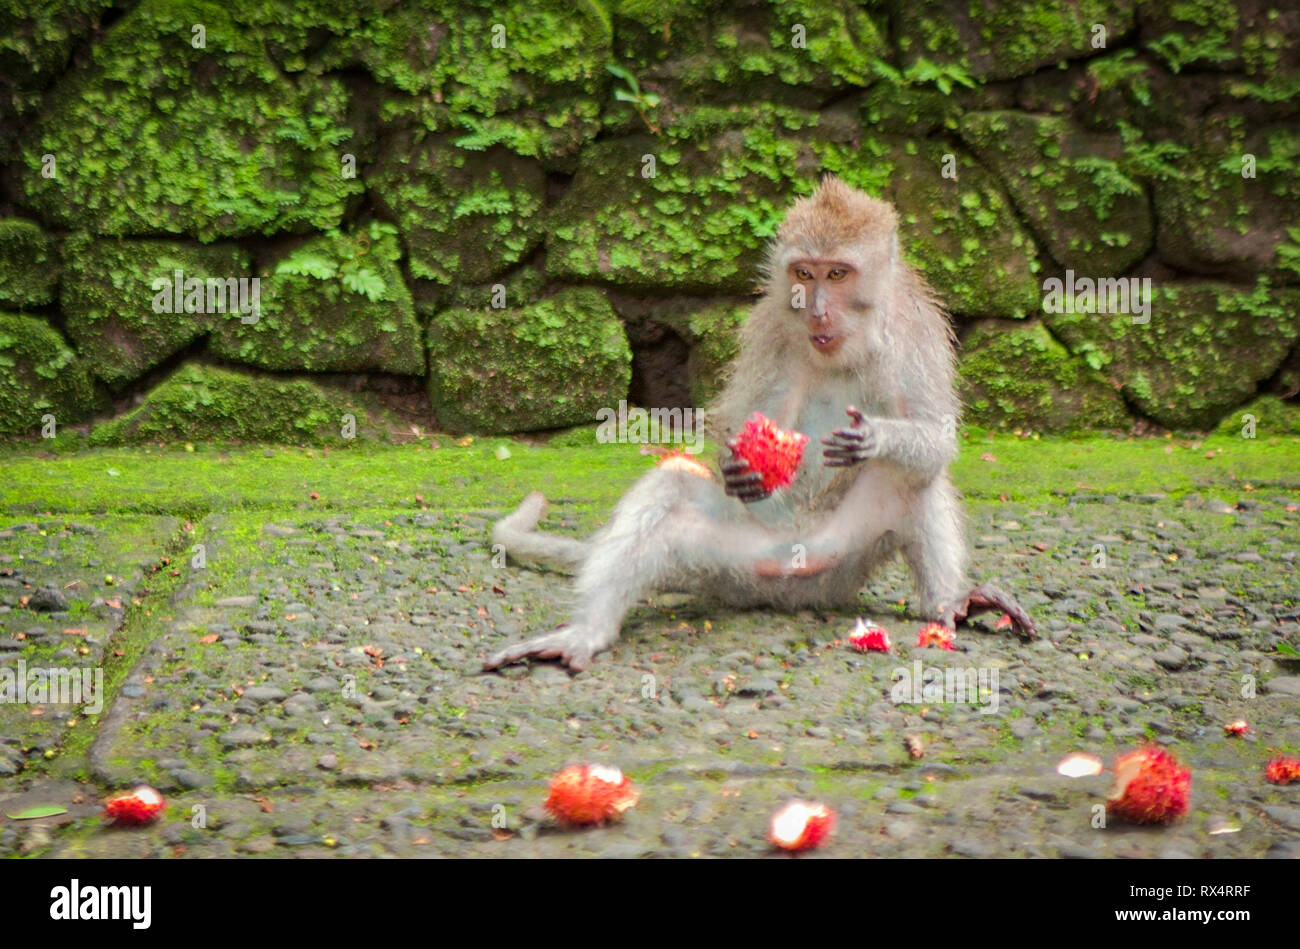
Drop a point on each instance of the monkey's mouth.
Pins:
(826, 344)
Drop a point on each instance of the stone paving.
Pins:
(308, 685)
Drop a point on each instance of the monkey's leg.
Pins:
(673, 528)
(984, 598)
(937, 558)
(935, 550)
(668, 525)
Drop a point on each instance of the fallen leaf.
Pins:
(40, 810)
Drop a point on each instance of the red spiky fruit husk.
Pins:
(801, 825)
(1282, 770)
(868, 637)
(1236, 729)
(583, 794)
(140, 805)
(772, 452)
(936, 634)
(1151, 787)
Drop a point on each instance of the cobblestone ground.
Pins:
(311, 688)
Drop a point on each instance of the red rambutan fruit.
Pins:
(868, 637)
(801, 825)
(1151, 787)
(1282, 770)
(140, 805)
(772, 452)
(583, 794)
(936, 634)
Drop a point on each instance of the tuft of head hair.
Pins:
(835, 217)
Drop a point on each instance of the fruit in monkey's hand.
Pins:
(868, 637)
(772, 452)
(1282, 770)
(583, 794)
(935, 634)
(140, 805)
(801, 825)
(1151, 787)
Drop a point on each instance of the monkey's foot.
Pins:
(982, 599)
(572, 645)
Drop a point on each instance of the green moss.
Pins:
(551, 364)
(36, 40)
(692, 54)
(1194, 32)
(157, 136)
(108, 296)
(841, 38)
(1212, 217)
(536, 92)
(209, 404)
(1015, 375)
(700, 222)
(1090, 215)
(963, 234)
(902, 109)
(1002, 39)
(29, 264)
(336, 303)
(1271, 416)
(1205, 350)
(464, 216)
(39, 375)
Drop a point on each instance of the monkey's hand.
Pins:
(741, 481)
(851, 446)
(572, 645)
(985, 598)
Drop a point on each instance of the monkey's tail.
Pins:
(518, 533)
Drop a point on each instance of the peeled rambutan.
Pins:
(1151, 787)
(801, 825)
(936, 634)
(681, 461)
(1282, 770)
(772, 452)
(868, 637)
(1236, 729)
(140, 805)
(584, 794)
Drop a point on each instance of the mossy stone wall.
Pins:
(487, 199)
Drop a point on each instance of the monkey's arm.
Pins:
(923, 446)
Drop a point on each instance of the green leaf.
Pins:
(1287, 649)
(621, 73)
(365, 282)
(40, 810)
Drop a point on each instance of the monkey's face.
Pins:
(835, 299)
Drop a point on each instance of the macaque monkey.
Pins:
(850, 347)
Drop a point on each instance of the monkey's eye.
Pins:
(837, 273)
(803, 274)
